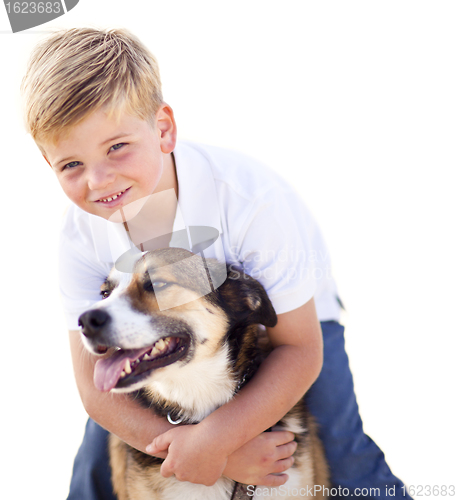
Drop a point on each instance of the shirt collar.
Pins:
(198, 198)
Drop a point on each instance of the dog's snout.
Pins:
(93, 322)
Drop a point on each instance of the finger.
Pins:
(281, 437)
(273, 480)
(166, 470)
(286, 450)
(160, 443)
(283, 465)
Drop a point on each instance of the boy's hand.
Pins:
(191, 456)
(262, 460)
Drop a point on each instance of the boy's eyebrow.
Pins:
(63, 159)
(117, 136)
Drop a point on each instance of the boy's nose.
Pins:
(99, 176)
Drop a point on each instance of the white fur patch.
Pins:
(189, 491)
(293, 424)
(295, 487)
(199, 387)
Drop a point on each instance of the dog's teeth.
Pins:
(146, 357)
(155, 351)
(127, 367)
(160, 345)
(122, 374)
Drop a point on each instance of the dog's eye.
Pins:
(105, 294)
(155, 285)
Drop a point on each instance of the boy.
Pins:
(94, 106)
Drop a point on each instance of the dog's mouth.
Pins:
(127, 366)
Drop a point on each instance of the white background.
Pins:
(355, 103)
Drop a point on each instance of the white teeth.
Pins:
(159, 347)
(105, 200)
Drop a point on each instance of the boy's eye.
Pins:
(117, 146)
(71, 165)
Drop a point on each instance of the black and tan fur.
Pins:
(215, 349)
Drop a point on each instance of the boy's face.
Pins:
(105, 163)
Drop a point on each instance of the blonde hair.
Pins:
(75, 72)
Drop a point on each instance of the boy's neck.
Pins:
(169, 179)
(157, 216)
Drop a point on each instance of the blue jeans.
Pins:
(355, 460)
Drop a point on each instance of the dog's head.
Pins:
(166, 314)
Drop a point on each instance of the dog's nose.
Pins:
(92, 322)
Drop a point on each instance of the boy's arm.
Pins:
(255, 463)
(282, 379)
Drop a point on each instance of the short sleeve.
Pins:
(274, 248)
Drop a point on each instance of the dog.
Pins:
(184, 351)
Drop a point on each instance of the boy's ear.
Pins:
(166, 124)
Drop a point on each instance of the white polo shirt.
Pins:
(263, 226)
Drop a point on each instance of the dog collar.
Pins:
(248, 374)
(174, 422)
(240, 492)
(238, 387)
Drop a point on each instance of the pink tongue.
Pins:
(108, 370)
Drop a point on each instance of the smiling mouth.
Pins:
(126, 367)
(113, 197)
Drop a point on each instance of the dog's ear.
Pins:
(251, 296)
